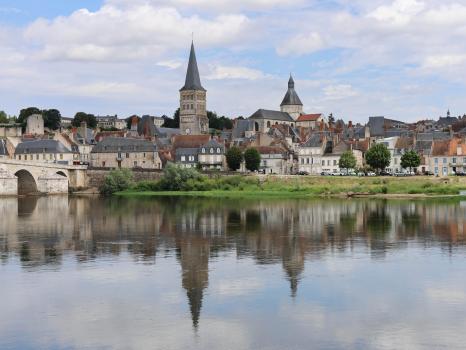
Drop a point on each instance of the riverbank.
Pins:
(310, 186)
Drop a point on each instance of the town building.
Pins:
(312, 121)
(264, 119)
(291, 103)
(119, 152)
(44, 151)
(10, 130)
(448, 157)
(310, 153)
(212, 155)
(275, 160)
(3, 149)
(193, 99)
(110, 122)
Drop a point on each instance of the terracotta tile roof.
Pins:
(103, 134)
(309, 117)
(448, 147)
(189, 141)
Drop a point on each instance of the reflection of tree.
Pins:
(410, 222)
(378, 222)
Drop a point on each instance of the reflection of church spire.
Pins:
(194, 259)
(293, 263)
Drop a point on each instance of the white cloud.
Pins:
(444, 61)
(338, 92)
(143, 31)
(301, 44)
(170, 64)
(234, 72)
(400, 12)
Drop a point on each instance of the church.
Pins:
(193, 99)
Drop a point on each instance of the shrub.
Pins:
(252, 159)
(175, 178)
(144, 186)
(116, 181)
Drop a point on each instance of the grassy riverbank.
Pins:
(307, 186)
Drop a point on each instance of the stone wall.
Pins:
(8, 183)
(95, 177)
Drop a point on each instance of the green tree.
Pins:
(410, 159)
(219, 123)
(172, 122)
(3, 117)
(52, 118)
(347, 161)
(252, 159)
(234, 158)
(116, 181)
(25, 113)
(378, 157)
(175, 178)
(80, 117)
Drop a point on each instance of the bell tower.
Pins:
(193, 98)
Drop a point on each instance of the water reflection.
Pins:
(41, 232)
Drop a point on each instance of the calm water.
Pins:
(86, 273)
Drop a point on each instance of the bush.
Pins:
(116, 181)
(175, 178)
(145, 186)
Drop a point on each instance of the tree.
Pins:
(172, 122)
(410, 159)
(116, 181)
(347, 161)
(378, 157)
(331, 118)
(3, 117)
(252, 158)
(80, 117)
(234, 158)
(52, 118)
(219, 123)
(25, 113)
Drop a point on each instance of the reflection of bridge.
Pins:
(23, 177)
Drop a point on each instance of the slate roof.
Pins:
(376, 126)
(122, 144)
(186, 152)
(41, 146)
(3, 149)
(241, 126)
(291, 97)
(271, 150)
(193, 80)
(166, 132)
(314, 141)
(213, 144)
(272, 115)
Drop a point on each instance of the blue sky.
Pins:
(405, 59)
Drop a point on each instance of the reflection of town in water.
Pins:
(39, 231)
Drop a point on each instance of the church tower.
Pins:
(291, 103)
(193, 113)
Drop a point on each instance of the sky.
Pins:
(404, 59)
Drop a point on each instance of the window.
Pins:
(127, 155)
(218, 150)
(444, 160)
(211, 150)
(203, 150)
(183, 158)
(334, 162)
(191, 158)
(119, 155)
(19, 157)
(302, 160)
(37, 156)
(61, 156)
(436, 160)
(43, 156)
(103, 164)
(453, 160)
(323, 162)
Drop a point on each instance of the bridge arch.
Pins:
(61, 173)
(26, 182)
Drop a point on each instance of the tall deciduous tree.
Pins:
(252, 159)
(172, 122)
(234, 158)
(378, 157)
(347, 161)
(3, 117)
(410, 159)
(80, 117)
(52, 118)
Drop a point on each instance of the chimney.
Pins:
(74, 131)
(134, 123)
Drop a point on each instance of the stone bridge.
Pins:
(23, 177)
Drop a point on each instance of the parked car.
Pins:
(460, 173)
(325, 173)
(303, 173)
(385, 173)
(371, 173)
(428, 173)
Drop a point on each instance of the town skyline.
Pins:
(48, 63)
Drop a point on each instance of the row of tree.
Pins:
(378, 157)
(235, 157)
(215, 122)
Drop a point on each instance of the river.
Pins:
(193, 273)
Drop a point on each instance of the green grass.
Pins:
(308, 186)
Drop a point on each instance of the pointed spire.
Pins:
(291, 97)
(193, 80)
